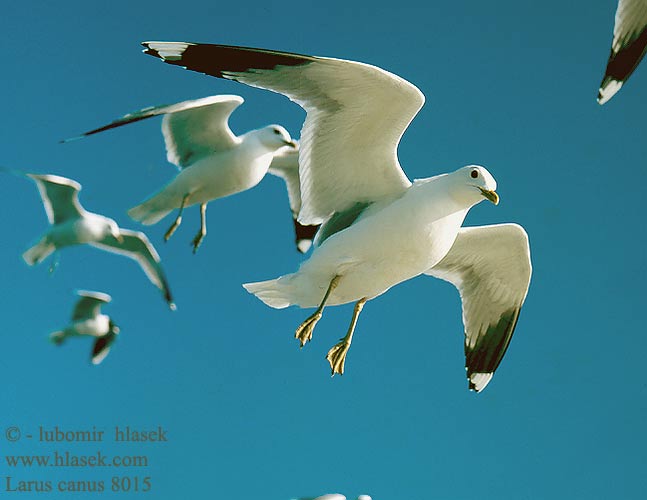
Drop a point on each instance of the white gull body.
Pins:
(219, 174)
(389, 243)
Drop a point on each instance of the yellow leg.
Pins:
(337, 355)
(177, 222)
(304, 332)
(203, 228)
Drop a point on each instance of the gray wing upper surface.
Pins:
(89, 305)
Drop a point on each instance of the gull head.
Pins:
(275, 137)
(114, 230)
(479, 182)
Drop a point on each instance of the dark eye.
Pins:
(277, 131)
(474, 174)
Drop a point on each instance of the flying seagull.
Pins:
(213, 162)
(628, 47)
(71, 224)
(87, 319)
(379, 228)
(198, 130)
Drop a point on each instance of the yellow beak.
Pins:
(490, 195)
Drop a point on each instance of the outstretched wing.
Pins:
(356, 115)
(89, 305)
(60, 197)
(199, 129)
(191, 128)
(628, 47)
(136, 245)
(490, 266)
(101, 347)
(285, 165)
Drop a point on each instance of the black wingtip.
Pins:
(304, 235)
(222, 60)
(169, 300)
(101, 348)
(149, 51)
(621, 65)
(483, 358)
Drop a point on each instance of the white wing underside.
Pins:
(137, 246)
(490, 266)
(198, 128)
(356, 115)
(89, 305)
(60, 197)
(285, 164)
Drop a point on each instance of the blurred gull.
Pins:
(214, 162)
(71, 224)
(88, 320)
(628, 46)
(379, 229)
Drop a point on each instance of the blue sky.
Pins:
(510, 85)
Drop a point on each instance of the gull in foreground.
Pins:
(628, 47)
(379, 229)
(71, 224)
(88, 320)
(213, 162)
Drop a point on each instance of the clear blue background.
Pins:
(510, 85)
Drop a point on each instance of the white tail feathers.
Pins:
(149, 212)
(39, 252)
(275, 293)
